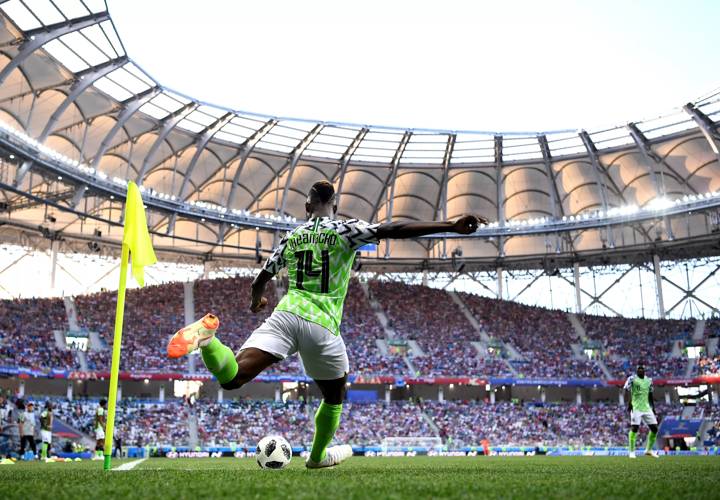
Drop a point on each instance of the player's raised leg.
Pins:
(327, 421)
(193, 336)
(231, 372)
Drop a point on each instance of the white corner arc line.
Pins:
(129, 465)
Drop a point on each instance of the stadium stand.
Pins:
(138, 423)
(543, 338)
(709, 365)
(156, 312)
(436, 323)
(26, 337)
(627, 341)
(459, 423)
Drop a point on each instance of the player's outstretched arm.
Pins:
(628, 398)
(467, 224)
(258, 302)
(651, 400)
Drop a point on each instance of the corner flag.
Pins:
(136, 235)
(136, 244)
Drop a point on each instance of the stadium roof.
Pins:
(67, 84)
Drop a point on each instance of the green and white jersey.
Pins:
(639, 392)
(46, 420)
(319, 256)
(100, 414)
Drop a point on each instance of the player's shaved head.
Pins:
(321, 199)
(321, 192)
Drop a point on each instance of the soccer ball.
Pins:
(273, 452)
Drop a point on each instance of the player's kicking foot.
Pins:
(651, 453)
(333, 456)
(631, 454)
(193, 336)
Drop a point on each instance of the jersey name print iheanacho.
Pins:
(319, 257)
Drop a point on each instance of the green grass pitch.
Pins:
(418, 477)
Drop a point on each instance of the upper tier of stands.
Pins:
(524, 341)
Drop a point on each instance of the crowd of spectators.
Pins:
(505, 423)
(712, 327)
(627, 341)
(243, 423)
(457, 359)
(360, 329)
(713, 414)
(431, 318)
(535, 424)
(137, 422)
(26, 334)
(543, 337)
(662, 367)
(152, 315)
(709, 365)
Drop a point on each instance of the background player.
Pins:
(99, 426)
(319, 256)
(46, 423)
(638, 391)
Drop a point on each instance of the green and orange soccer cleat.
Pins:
(193, 336)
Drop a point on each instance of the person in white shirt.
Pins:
(26, 428)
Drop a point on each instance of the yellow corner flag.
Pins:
(136, 244)
(136, 235)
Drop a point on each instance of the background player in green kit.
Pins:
(99, 427)
(46, 423)
(319, 256)
(638, 391)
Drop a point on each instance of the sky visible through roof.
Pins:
(493, 66)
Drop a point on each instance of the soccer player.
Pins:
(638, 391)
(99, 425)
(46, 423)
(319, 256)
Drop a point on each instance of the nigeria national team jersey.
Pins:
(46, 419)
(100, 417)
(639, 392)
(319, 257)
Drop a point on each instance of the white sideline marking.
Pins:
(130, 465)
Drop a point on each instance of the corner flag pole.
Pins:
(115, 366)
(136, 243)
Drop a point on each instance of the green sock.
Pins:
(652, 437)
(43, 451)
(327, 420)
(632, 436)
(220, 361)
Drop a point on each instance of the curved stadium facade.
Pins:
(79, 119)
(75, 106)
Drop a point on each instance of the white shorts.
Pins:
(642, 416)
(283, 334)
(46, 436)
(99, 433)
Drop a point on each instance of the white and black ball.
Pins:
(273, 452)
